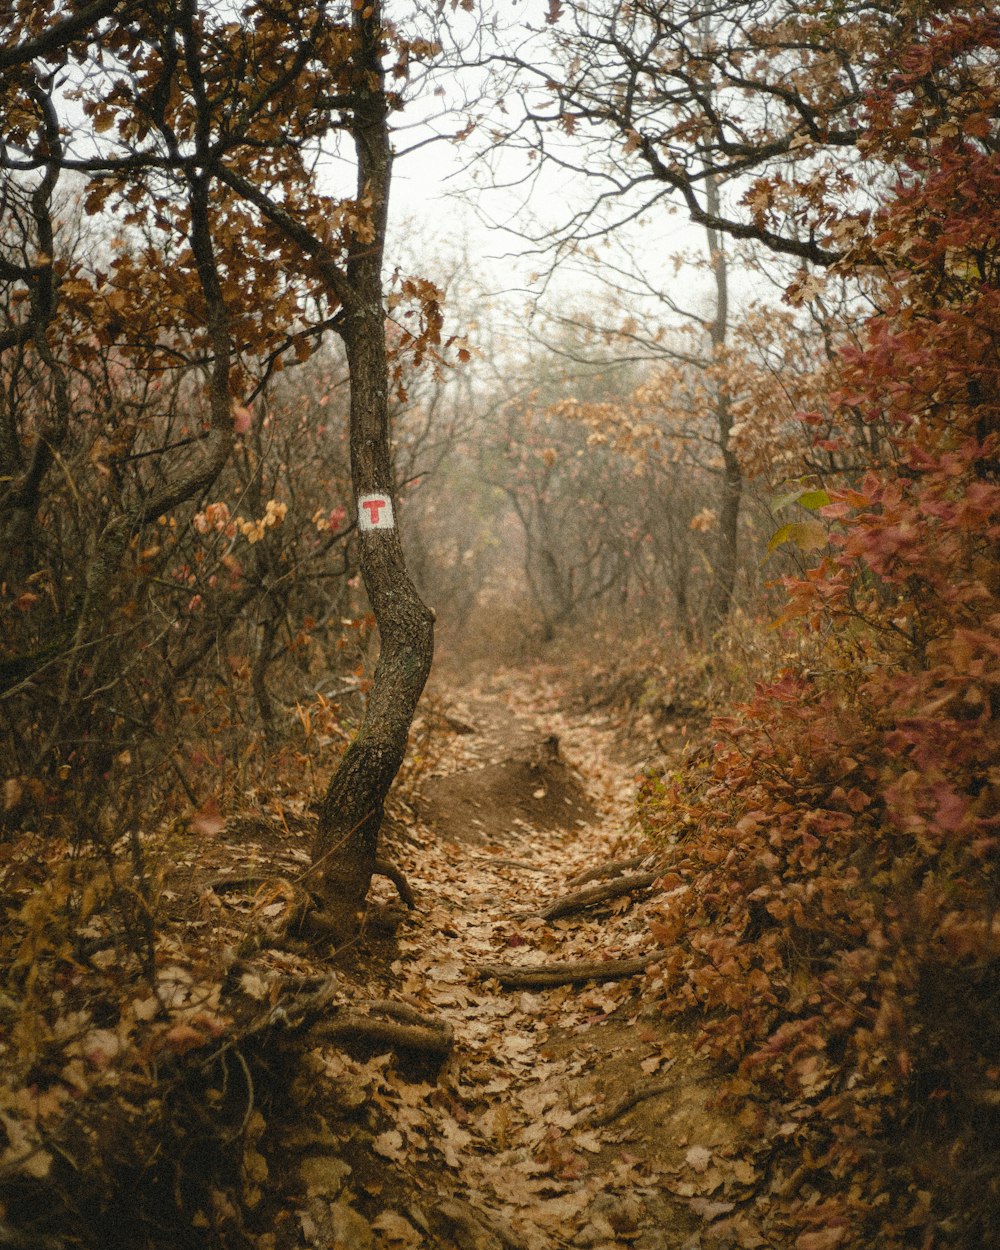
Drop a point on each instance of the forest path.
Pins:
(567, 1116)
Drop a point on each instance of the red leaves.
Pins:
(841, 852)
(208, 820)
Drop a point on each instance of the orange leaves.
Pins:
(208, 820)
(415, 306)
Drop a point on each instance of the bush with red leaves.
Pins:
(835, 910)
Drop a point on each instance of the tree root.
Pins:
(542, 976)
(406, 1029)
(570, 904)
(471, 1226)
(613, 869)
(301, 916)
(315, 1012)
(385, 868)
(308, 1001)
(243, 880)
(633, 1099)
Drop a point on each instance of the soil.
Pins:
(532, 789)
(573, 1116)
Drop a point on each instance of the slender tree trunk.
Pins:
(351, 812)
(727, 549)
(720, 597)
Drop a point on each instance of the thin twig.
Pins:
(633, 1099)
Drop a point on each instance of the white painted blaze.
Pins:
(375, 512)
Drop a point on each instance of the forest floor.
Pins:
(418, 1089)
(565, 1116)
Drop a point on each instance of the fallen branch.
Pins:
(613, 869)
(406, 1029)
(633, 1099)
(542, 976)
(570, 904)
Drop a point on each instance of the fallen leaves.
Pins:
(509, 1117)
(397, 1230)
(698, 1158)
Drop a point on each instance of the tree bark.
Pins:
(720, 595)
(727, 549)
(344, 851)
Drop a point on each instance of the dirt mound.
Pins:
(534, 787)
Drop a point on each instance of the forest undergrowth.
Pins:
(596, 1026)
(234, 1084)
(680, 940)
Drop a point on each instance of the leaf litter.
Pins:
(573, 1115)
(507, 1126)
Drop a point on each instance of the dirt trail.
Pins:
(570, 1116)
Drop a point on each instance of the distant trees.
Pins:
(609, 473)
(747, 117)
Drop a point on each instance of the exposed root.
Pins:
(614, 869)
(599, 1120)
(406, 1029)
(541, 976)
(570, 904)
(291, 1012)
(244, 880)
(384, 868)
(301, 916)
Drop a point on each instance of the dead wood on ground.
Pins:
(613, 869)
(542, 976)
(580, 900)
(406, 1028)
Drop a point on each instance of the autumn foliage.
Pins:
(834, 875)
(182, 622)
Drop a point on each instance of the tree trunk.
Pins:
(720, 596)
(344, 851)
(727, 549)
